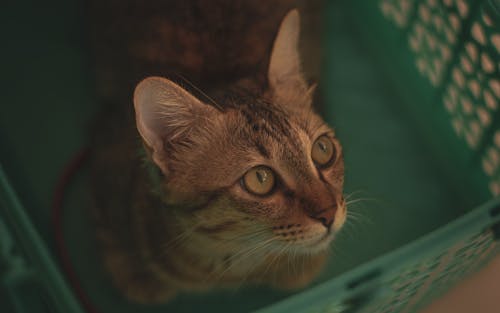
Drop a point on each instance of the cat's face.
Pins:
(264, 171)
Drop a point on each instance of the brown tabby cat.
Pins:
(239, 183)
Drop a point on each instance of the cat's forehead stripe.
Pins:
(269, 128)
(272, 128)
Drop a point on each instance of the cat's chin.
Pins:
(322, 243)
(315, 246)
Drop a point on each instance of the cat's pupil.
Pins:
(323, 146)
(261, 176)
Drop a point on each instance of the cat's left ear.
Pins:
(285, 73)
(167, 113)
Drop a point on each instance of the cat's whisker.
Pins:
(357, 217)
(347, 232)
(252, 250)
(352, 194)
(201, 92)
(249, 273)
(187, 234)
(290, 260)
(276, 257)
(353, 218)
(244, 254)
(303, 263)
(339, 255)
(295, 250)
(181, 237)
(353, 201)
(177, 240)
(260, 247)
(250, 236)
(242, 251)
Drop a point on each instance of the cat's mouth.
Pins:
(323, 241)
(314, 244)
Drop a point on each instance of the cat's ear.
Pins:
(285, 73)
(166, 113)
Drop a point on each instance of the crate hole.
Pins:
(450, 35)
(494, 188)
(484, 117)
(495, 39)
(488, 167)
(496, 231)
(478, 33)
(490, 100)
(470, 139)
(466, 64)
(495, 86)
(494, 156)
(487, 20)
(467, 105)
(458, 126)
(474, 87)
(475, 128)
(452, 89)
(495, 211)
(424, 13)
(454, 21)
(472, 51)
(450, 105)
(458, 76)
(463, 8)
(487, 63)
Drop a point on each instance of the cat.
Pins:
(227, 179)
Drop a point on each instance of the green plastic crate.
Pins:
(413, 89)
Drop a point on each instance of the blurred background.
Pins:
(412, 88)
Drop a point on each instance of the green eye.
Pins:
(259, 180)
(323, 150)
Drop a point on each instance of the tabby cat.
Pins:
(227, 179)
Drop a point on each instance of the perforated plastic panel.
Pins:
(473, 92)
(418, 284)
(412, 277)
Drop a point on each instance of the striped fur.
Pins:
(176, 217)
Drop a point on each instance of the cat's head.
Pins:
(261, 168)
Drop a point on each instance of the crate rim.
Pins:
(477, 220)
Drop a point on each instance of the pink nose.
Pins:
(326, 217)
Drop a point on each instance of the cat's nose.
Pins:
(326, 217)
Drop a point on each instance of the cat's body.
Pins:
(188, 213)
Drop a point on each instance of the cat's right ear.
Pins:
(165, 113)
(285, 73)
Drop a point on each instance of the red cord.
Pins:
(68, 174)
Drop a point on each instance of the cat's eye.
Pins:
(323, 151)
(259, 180)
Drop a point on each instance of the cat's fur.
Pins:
(177, 217)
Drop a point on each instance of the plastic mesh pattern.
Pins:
(410, 287)
(472, 95)
(399, 11)
(434, 34)
(419, 283)
(491, 163)
(456, 47)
